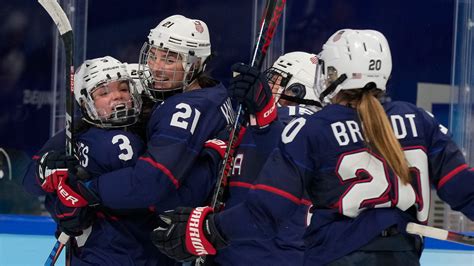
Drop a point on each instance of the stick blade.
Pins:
(418, 229)
(440, 234)
(57, 14)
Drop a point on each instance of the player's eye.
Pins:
(152, 56)
(171, 60)
(100, 92)
(123, 87)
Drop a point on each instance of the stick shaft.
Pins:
(271, 17)
(59, 18)
(440, 234)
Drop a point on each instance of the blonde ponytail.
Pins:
(379, 135)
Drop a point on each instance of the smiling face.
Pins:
(166, 68)
(111, 97)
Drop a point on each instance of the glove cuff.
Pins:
(267, 115)
(68, 196)
(196, 241)
(218, 145)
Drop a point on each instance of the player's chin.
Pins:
(162, 86)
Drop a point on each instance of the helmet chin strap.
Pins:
(300, 100)
(333, 86)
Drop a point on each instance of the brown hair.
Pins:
(377, 130)
(203, 77)
(205, 81)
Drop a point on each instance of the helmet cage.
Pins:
(290, 90)
(162, 81)
(277, 77)
(123, 114)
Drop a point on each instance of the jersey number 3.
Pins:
(126, 151)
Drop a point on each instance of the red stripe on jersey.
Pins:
(272, 190)
(450, 175)
(240, 184)
(163, 169)
(278, 192)
(36, 157)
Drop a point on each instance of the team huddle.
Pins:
(326, 174)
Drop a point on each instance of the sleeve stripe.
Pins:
(278, 192)
(451, 174)
(272, 190)
(240, 184)
(163, 169)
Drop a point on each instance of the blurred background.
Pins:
(430, 42)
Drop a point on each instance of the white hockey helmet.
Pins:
(296, 71)
(189, 38)
(99, 73)
(354, 59)
(132, 70)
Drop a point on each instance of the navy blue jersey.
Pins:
(115, 238)
(176, 134)
(287, 247)
(99, 151)
(288, 113)
(354, 193)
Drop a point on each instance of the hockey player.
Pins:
(291, 77)
(173, 61)
(110, 104)
(169, 173)
(367, 168)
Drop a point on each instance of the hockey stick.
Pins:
(271, 17)
(441, 234)
(65, 30)
(56, 251)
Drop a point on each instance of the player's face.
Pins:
(274, 83)
(110, 97)
(167, 69)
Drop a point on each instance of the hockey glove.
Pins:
(62, 174)
(77, 182)
(191, 233)
(250, 88)
(72, 220)
(220, 142)
(216, 148)
(51, 167)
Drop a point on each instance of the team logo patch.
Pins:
(198, 26)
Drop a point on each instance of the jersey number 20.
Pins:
(370, 182)
(371, 185)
